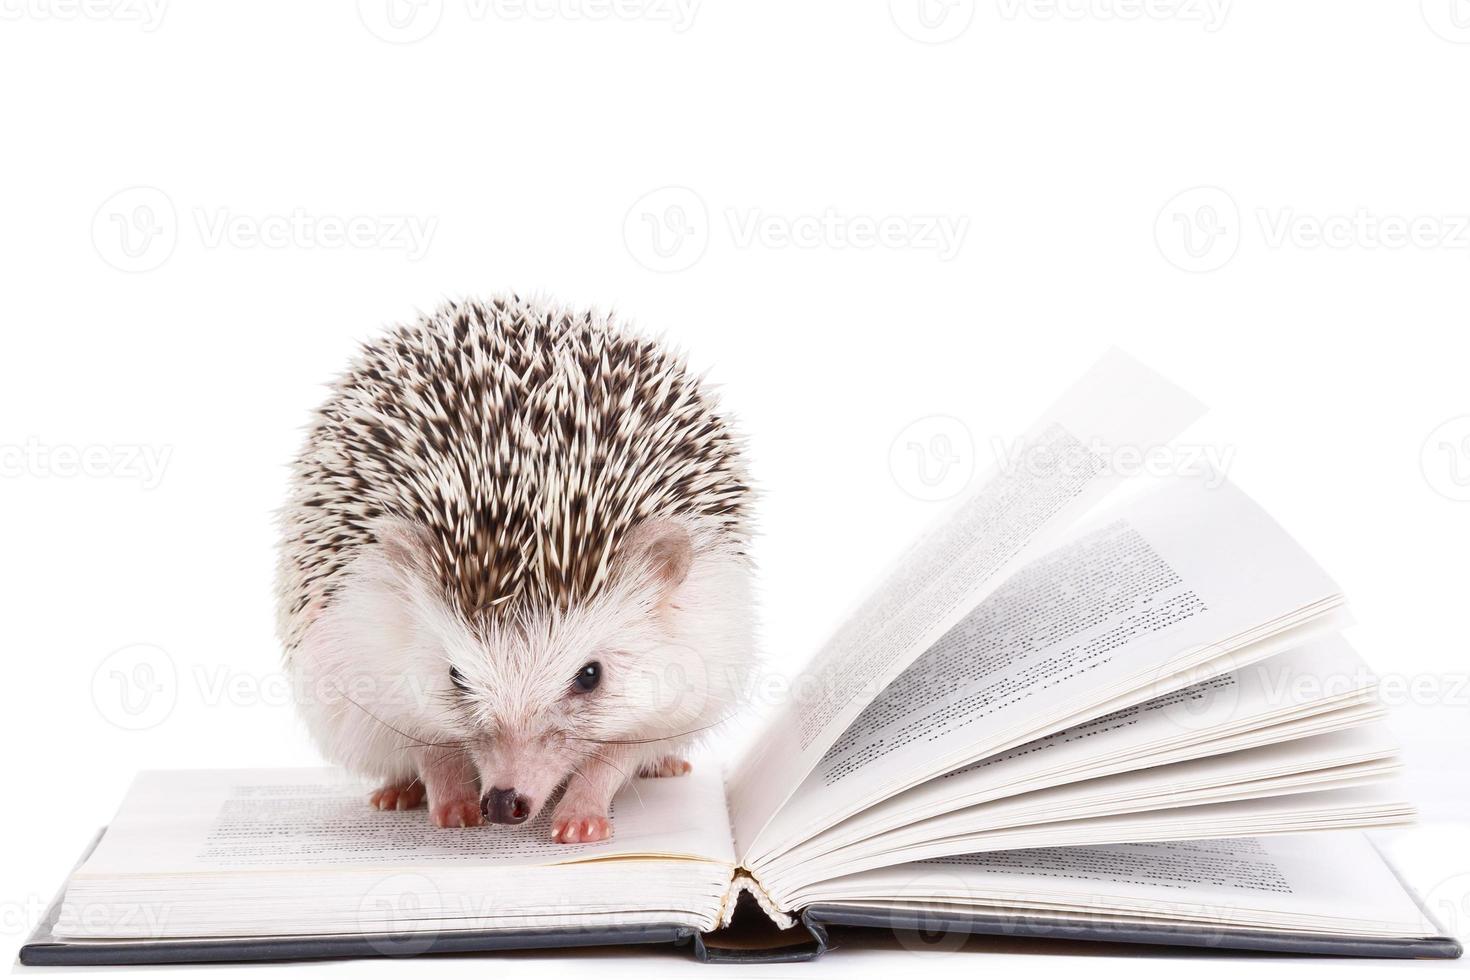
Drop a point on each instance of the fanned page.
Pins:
(1013, 514)
(1299, 784)
(1186, 582)
(1326, 884)
(1316, 690)
(299, 851)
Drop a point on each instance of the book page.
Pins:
(1302, 692)
(1330, 882)
(1164, 584)
(300, 852)
(1339, 760)
(1349, 807)
(202, 821)
(1062, 467)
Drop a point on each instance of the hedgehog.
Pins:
(514, 565)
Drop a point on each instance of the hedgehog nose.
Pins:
(505, 806)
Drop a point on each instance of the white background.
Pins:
(1266, 202)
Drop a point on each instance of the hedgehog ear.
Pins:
(405, 544)
(664, 549)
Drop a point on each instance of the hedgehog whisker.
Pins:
(632, 783)
(608, 762)
(415, 742)
(646, 741)
(578, 772)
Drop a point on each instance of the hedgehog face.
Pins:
(547, 695)
(538, 696)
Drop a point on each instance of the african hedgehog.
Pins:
(514, 558)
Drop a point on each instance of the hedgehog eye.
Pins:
(457, 679)
(588, 678)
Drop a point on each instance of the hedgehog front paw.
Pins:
(580, 818)
(669, 765)
(579, 828)
(456, 813)
(397, 796)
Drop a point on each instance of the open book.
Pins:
(1053, 716)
